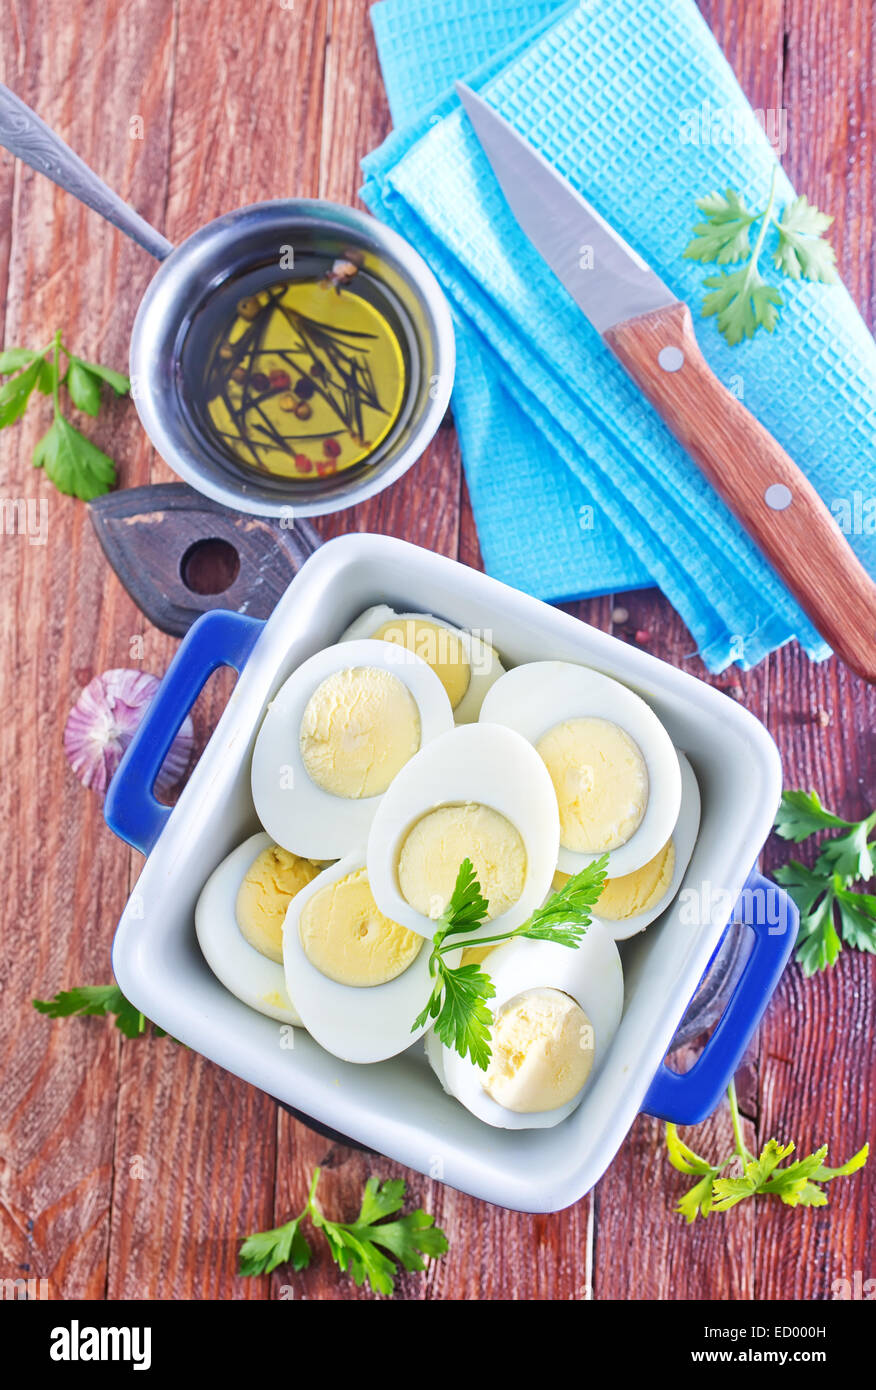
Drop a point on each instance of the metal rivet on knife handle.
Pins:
(778, 496)
(670, 358)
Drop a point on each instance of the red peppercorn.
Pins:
(643, 636)
(259, 381)
(278, 379)
(324, 466)
(303, 464)
(331, 447)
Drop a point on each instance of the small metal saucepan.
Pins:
(237, 243)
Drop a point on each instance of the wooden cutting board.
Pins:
(179, 554)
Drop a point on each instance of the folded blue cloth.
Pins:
(576, 484)
(538, 526)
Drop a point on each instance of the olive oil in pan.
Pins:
(299, 377)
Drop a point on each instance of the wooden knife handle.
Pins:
(775, 502)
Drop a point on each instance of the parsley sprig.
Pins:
(796, 1184)
(458, 1002)
(75, 465)
(831, 911)
(742, 299)
(366, 1248)
(105, 1001)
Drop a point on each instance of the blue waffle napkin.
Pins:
(610, 94)
(423, 46)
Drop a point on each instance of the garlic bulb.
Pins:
(104, 720)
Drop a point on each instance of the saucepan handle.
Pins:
(24, 134)
(687, 1099)
(219, 638)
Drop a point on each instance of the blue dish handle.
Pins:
(219, 638)
(688, 1099)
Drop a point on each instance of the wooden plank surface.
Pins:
(817, 1043)
(129, 1170)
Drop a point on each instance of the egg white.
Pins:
(591, 974)
(298, 814)
(481, 763)
(255, 980)
(483, 660)
(533, 698)
(355, 1023)
(684, 837)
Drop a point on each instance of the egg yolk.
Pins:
(359, 728)
(476, 955)
(633, 893)
(271, 882)
(542, 1052)
(601, 782)
(436, 846)
(347, 938)
(437, 646)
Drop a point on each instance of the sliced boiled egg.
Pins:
(555, 1013)
(612, 764)
(334, 737)
(481, 793)
(239, 922)
(465, 664)
(629, 904)
(359, 978)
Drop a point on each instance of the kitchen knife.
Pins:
(651, 333)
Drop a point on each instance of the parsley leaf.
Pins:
(724, 235)
(802, 250)
(818, 944)
(698, 1200)
(98, 1000)
(464, 1020)
(357, 1247)
(467, 907)
(84, 387)
(13, 359)
(75, 465)
(354, 1247)
(565, 916)
(857, 913)
(801, 814)
(120, 383)
(797, 1184)
(458, 1002)
(849, 855)
(263, 1252)
(15, 393)
(824, 895)
(742, 300)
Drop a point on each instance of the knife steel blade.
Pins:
(609, 285)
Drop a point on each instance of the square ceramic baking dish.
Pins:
(397, 1107)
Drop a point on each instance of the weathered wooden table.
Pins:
(129, 1170)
